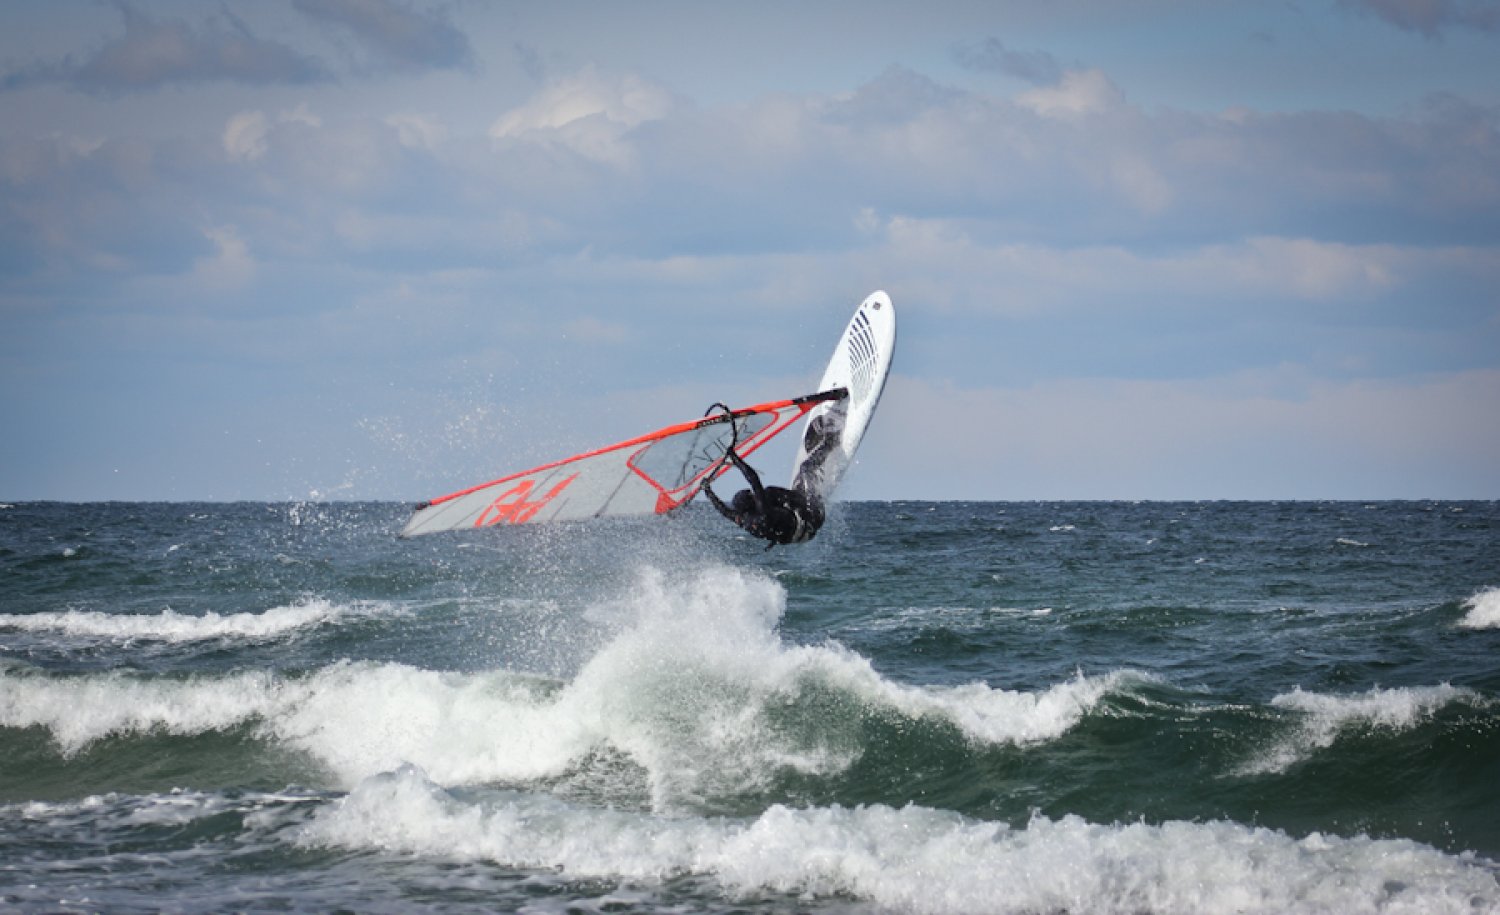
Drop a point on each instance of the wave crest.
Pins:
(1323, 718)
(173, 627)
(914, 859)
(1484, 610)
(695, 690)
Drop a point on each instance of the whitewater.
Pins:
(934, 707)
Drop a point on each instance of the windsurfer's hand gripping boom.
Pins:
(773, 513)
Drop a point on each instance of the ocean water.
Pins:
(933, 707)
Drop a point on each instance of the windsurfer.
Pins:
(773, 513)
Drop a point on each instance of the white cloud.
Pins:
(1303, 268)
(867, 221)
(319, 169)
(1141, 183)
(245, 136)
(588, 112)
(1079, 92)
(230, 267)
(627, 100)
(418, 131)
(302, 114)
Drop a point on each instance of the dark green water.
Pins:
(949, 707)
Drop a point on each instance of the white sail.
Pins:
(650, 474)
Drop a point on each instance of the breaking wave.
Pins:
(915, 859)
(695, 688)
(1484, 610)
(173, 627)
(1324, 718)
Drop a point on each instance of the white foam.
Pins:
(1484, 610)
(690, 689)
(98, 813)
(78, 711)
(358, 718)
(171, 626)
(695, 687)
(917, 859)
(953, 619)
(1324, 718)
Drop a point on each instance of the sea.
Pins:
(934, 707)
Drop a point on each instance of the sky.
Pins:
(385, 249)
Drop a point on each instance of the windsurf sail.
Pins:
(650, 474)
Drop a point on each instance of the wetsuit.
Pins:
(773, 513)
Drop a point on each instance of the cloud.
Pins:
(626, 100)
(230, 267)
(1304, 269)
(245, 135)
(1306, 205)
(531, 60)
(155, 53)
(1145, 300)
(973, 204)
(898, 95)
(90, 212)
(302, 114)
(418, 131)
(1265, 434)
(1031, 278)
(1077, 92)
(590, 113)
(991, 55)
(1432, 17)
(398, 37)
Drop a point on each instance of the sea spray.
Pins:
(697, 689)
(1484, 610)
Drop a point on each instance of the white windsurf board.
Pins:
(860, 363)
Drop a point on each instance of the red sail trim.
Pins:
(667, 500)
(803, 404)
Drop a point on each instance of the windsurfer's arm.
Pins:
(753, 477)
(717, 503)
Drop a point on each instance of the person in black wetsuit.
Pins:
(773, 513)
